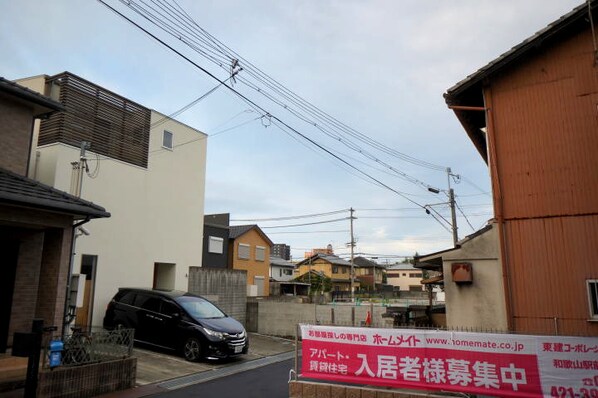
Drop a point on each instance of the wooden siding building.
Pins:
(532, 114)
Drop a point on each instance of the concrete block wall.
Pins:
(304, 389)
(227, 288)
(87, 380)
(280, 318)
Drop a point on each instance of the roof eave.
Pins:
(537, 40)
(81, 211)
(42, 105)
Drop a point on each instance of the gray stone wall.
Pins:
(224, 287)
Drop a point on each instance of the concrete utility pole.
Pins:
(451, 195)
(351, 218)
(451, 202)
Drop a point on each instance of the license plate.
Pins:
(238, 349)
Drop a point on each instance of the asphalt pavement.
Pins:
(270, 381)
(160, 372)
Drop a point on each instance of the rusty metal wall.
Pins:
(546, 118)
(550, 260)
(543, 139)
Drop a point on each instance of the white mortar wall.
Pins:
(157, 213)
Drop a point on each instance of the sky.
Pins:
(378, 67)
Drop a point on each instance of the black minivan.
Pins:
(177, 320)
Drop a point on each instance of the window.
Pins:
(215, 245)
(243, 251)
(260, 253)
(288, 271)
(415, 275)
(125, 297)
(593, 298)
(345, 270)
(169, 308)
(146, 302)
(167, 140)
(334, 269)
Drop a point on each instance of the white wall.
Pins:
(404, 281)
(480, 304)
(157, 213)
(275, 273)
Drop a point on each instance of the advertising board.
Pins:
(506, 365)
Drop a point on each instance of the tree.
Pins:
(319, 282)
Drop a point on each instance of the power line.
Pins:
(181, 19)
(288, 94)
(311, 223)
(258, 107)
(188, 106)
(292, 217)
(309, 232)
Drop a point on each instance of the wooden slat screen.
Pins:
(115, 126)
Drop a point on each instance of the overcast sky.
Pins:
(379, 67)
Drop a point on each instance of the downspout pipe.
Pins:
(499, 209)
(69, 275)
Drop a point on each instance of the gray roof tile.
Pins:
(18, 190)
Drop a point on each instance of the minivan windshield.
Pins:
(199, 308)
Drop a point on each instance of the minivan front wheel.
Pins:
(192, 349)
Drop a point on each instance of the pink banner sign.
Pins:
(504, 365)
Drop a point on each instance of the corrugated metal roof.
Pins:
(563, 24)
(22, 191)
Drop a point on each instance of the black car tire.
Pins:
(192, 349)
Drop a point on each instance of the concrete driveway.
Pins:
(154, 367)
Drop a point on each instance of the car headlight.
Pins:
(213, 333)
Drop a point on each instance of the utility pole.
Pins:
(451, 195)
(451, 202)
(82, 164)
(309, 279)
(352, 254)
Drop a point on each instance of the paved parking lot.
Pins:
(154, 366)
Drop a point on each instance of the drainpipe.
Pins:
(500, 221)
(69, 275)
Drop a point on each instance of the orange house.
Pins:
(249, 250)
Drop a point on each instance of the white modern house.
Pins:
(148, 169)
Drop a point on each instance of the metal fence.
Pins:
(85, 346)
